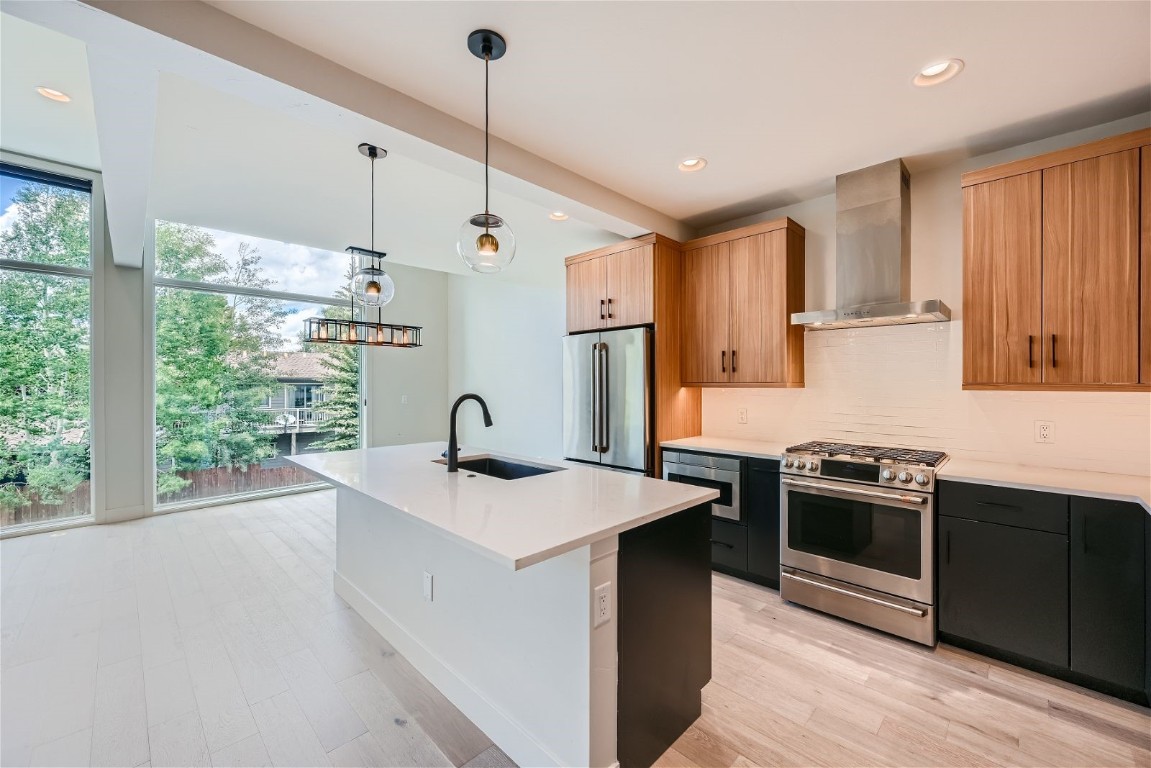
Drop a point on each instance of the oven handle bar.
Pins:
(857, 492)
(918, 612)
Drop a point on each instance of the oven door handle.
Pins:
(918, 612)
(906, 499)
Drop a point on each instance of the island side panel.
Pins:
(664, 577)
(510, 648)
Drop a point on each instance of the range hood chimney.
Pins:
(873, 254)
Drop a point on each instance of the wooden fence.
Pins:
(205, 484)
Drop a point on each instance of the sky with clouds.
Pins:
(293, 268)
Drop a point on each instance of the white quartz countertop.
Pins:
(1102, 485)
(517, 522)
(729, 445)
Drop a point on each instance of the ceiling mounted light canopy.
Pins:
(486, 243)
(558, 216)
(371, 287)
(53, 94)
(939, 72)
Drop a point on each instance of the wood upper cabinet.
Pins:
(739, 291)
(629, 287)
(1002, 274)
(706, 302)
(610, 289)
(1091, 271)
(1056, 291)
(1145, 272)
(586, 302)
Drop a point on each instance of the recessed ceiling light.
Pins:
(558, 216)
(690, 164)
(53, 94)
(939, 72)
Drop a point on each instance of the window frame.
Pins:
(97, 226)
(152, 282)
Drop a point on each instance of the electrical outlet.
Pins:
(403, 399)
(427, 586)
(741, 415)
(1045, 431)
(602, 605)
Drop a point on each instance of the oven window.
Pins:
(861, 533)
(722, 486)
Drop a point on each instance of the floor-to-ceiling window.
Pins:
(237, 389)
(46, 260)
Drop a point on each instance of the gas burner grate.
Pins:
(873, 452)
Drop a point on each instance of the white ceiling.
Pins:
(227, 163)
(32, 56)
(779, 96)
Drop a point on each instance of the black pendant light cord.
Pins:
(487, 139)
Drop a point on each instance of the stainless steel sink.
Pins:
(504, 469)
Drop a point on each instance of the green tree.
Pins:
(212, 359)
(342, 384)
(44, 349)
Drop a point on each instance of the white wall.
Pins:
(504, 341)
(407, 389)
(902, 385)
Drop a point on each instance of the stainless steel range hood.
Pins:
(873, 254)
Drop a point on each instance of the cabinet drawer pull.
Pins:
(723, 361)
(1053, 363)
(997, 505)
(723, 543)
(1030, 351)
(733, 361)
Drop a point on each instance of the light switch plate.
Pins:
(427, 586)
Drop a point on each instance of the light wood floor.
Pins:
(213, 637)
(208, 637)
(792, 687)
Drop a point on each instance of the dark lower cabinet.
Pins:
(762, 500)
(1004, 588)
(728, 545)
(1109, 591)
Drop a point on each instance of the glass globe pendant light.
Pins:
(372, 286)
(486, 242)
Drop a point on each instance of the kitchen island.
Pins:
(493, 589)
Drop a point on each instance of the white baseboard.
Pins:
(500, 727)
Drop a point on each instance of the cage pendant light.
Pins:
(486, 243)
(371, 287)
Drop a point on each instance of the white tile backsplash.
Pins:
(901, 385)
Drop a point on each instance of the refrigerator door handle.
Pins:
(604, 393)
(594, 398)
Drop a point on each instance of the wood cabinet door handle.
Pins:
(1053, 363)
(723, 361)
(609, 314)
(733, 370)
(601, 309)
(1030, 351)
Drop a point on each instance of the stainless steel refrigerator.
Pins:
(607, 398)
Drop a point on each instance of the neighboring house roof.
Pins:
(299, 366)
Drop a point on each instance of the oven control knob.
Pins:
(813, 466)
(905, 477)
(800, 464)
(921, 479)
(787, 463)
(888, 475)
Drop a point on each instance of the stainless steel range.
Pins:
(857, 538)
